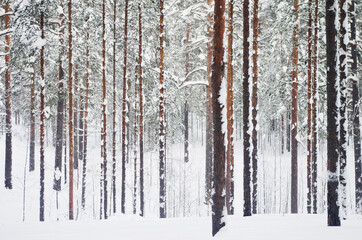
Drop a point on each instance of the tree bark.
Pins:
(230, 115)
(32, 125)
(218, 197)
(42, 115)
(162, 130)
(255, 104)
(246, 107)
(8, 135)
(140, 55)
(332, 115)
(124, 111)
(114, 108)
(294, 165)
(186, 108)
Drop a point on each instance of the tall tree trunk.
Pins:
(140, 76)
(186, 108)
(314, 109)
(218, 197)
(294, 165)
(209, 118)
(135, 122)
(104, 115)
(356, 111)
(124, 111)
(309, 121)
(75, 120)
(114, 108)
(332, 112)
(42, 115)
(343, 41)
(230, 115)
(32, 125)
(70, 117)
(8, 136)
(85, 155)
(246, 107)
(162, 132)
(255, 105)
(60, 110)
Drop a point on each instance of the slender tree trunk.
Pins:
(75, 120)
(314, 110)
(60, 111)
(124, 112)
(209, 124)
(104, 115)
(255, 104)
(162, 131)
(114, 108)
(332, 111)
(343, 41)
(356, 111)
(140, 55)
(70, 117)
(230, 115)
(32, 125)
(186, 108)
(42, 115)
(294, 165)
(309, 121)
(246, 107)
(8, 136)
(135, 122)
(218, 197)
(85, 123)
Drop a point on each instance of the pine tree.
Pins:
(218, 197)
(294, 165)
(246, 107)
(332, 115)
(8, 137)
(230, 115)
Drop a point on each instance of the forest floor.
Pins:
(19, 208)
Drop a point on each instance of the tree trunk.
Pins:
(75, 120)
(60, 111)
(142, 204)
(104, 115)
(343, 41)
(162, 131)
(314, 110)
(246, 107)
(32, 125)
(332, 115)
(135, 121)
(218, 197)
(186, 108)
(356, 111)
(8, 136)
(309, 121)
(209, 136)
(294, 165)
(124, 112)
(70, 117)
(255, 104)
(42, 115)
(230, 115)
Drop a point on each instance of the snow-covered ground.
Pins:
(185, 198)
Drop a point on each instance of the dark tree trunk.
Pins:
(294, 165)
(114, 109)
(314, 110)
(8, 134)
(230, 115)
(218, 197)
(60, 112)
(162, 130)
(356, 112)
(75, 120)
(124, 112)
(209, 136)
(42, 115)
(255, 104)
(246, 107)
(332, 115)
(343, 101)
